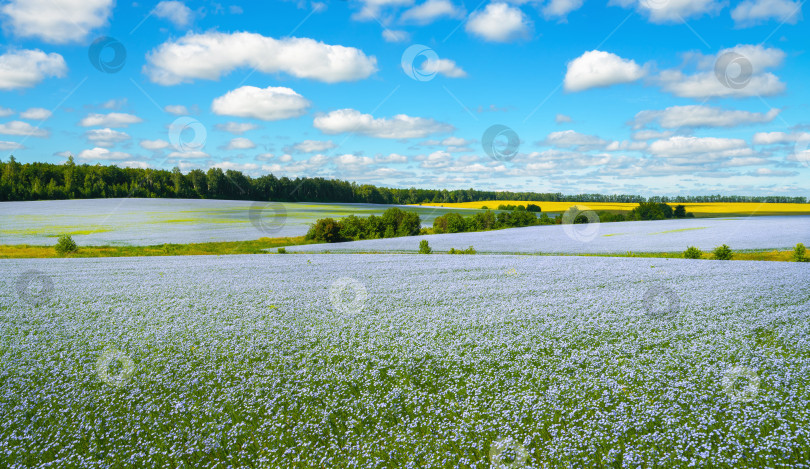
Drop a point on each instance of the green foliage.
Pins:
(469, 250)
(325, 230)
(533, 208)
(679, 212)
(394, 222)
(651, 211)
(692, 253)
(282, 250)
(723, 253)
(424, 248)
(65, 245)
(800, 253)
(607, 217)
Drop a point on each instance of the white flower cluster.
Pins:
(408, 361)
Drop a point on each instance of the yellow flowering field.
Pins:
(704, 209)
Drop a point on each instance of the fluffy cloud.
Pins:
(739, 71)
(176, 109)
(400, 126)
(154, 145)
(701, 116)
(240, 143)
(113, 119)
(237, 128)
(5, 112)
(176, 12)
(751, 12)
(573, 139)
(56, 21)
(430, 11)
(269, 104)
(210, 55)
(310, 146)
(772, 138)
(106, 137)
(4, 145)
(683, 146)
(22, 128)
(671, 11)
(103, 154)
(499, 22)
(562, 118)
(599, 69)
(26, 68)
(560, 8)
(372, 9)
(36, 113)
(444, 67)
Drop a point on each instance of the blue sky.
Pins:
(619, 96)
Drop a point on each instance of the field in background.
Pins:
(711, 209)
(141, 222)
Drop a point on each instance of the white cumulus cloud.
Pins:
(269, 104)
(240, 143)
(499, 22)
(751, 12)
(26, 68)
(113, 119)
(176, 12)
(400, 126)
(701, 116)
(56, 21)
(430, 11)
(671, 11)
(106, 137)
(210, 55)
(99, 153)
(22, 128)
(36, 113)
(597, 68)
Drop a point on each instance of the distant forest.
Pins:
(46, 181)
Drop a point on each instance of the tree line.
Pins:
(47, 181)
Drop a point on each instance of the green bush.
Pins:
(800, 253)
(692, 253)
(282, 250)
(723, 253)
(424, 248)
(469, 250)
(65, 245)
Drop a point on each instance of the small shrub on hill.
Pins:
(800, 253)
(65, 245)
(424, 248)
(692, 253)
(723, 253)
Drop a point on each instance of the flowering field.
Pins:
(711, 209)
(138, 222)
(637, 236)
(380, 361)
